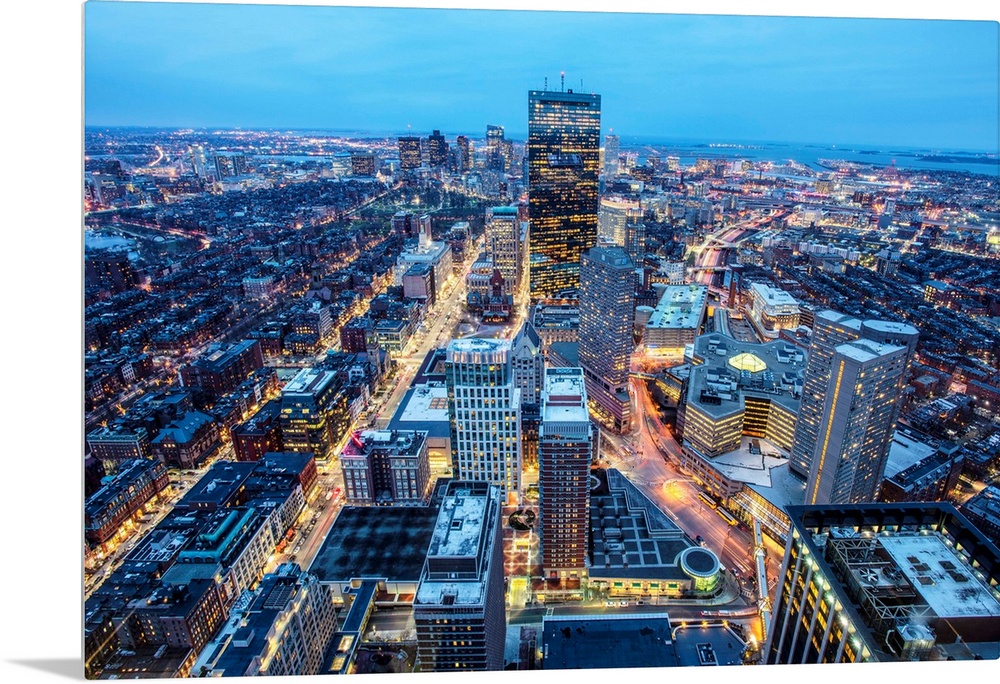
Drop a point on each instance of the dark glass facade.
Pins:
(409, 152)
(564, 130)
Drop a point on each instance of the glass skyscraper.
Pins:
(409, 152)
(564, 131)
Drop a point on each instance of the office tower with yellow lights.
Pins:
(884, 583)
(503, 245)
(564, 130)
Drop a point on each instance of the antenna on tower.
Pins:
(562, 81)
(546, 83)
(581, 85)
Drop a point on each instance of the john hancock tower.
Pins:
(564, 130)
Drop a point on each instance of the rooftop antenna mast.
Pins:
(562, 81)
(546, 83)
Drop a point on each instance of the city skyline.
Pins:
(46, 57)
(921, 83)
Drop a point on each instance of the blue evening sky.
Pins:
(922, 83)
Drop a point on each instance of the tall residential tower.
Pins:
(484, 407)
(565, 447)
(830, 330)
(857, 423)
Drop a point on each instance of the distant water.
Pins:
(688, 151)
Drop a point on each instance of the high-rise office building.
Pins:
(607, 305)
(507, 155)
(634, 242)
(612, 217)
(362, 164)
(831, 329)
(239, 165)
(857, 422)
(409, 152)
(494, 147)
(314, 412)
(565, 448)
(611, 152)
(404, 224)
(503, 245)
(528, 363)
(464, 153)
(484, 407)
(437, 150)
(884, 583)
(459, 608)
(564, 131)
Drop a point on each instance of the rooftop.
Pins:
(479, 350)
(865, 351)
(639, 540)
(565, 397)
(607, 641)
(459, 526)
(904, 452)
(424, 407)
(309, 381)
(773, 371)
(680, 306)
(772, 296)
(940, 576)
(385, 541)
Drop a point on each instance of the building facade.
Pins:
(611, 152)
(528, 363)
(565, 448)
(284, 630)
(563, 168)
(386, 467)
(857, 423)
(831, 329)
(503, 245)
(884, 583)
(409, 152)
(313, 412)
(772, 310)
(459, 604)
(484, 407)
(607, 305)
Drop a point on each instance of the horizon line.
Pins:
(522, 136)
